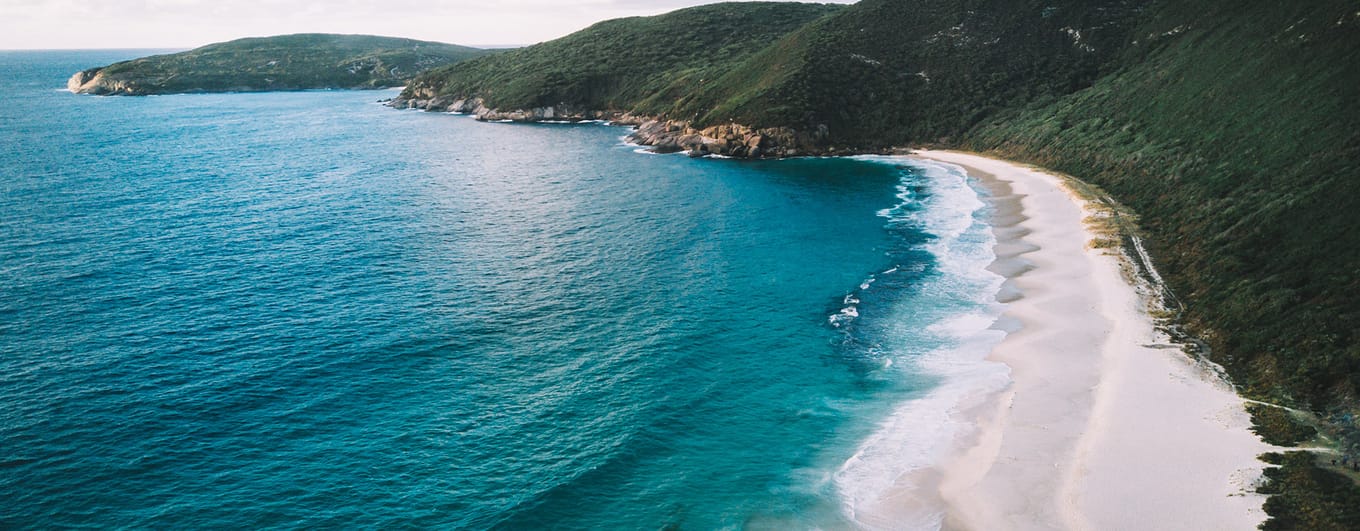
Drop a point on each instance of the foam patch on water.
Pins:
(882, 485)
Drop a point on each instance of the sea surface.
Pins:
(305, 309)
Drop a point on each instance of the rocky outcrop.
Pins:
(477, 107)
(424, 99)
(664, 136)
(78, 81)
(93, 81)
(735, 140)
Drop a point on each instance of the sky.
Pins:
(79, 24)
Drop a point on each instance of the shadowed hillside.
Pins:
(637, 64)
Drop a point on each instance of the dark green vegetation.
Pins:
(641, 63)
(288, 62)
(886, 73)
(1307, 490)
(1305, 496)
(1276, 426)
(1231, 128)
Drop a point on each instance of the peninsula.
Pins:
(287, 62)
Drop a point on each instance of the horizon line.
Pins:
(185, 48)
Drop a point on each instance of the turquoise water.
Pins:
(306, 309)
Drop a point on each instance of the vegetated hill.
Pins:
(638, 64)
(286, 62)
(1232, 128)
(890, 71)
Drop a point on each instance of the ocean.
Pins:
(306, 309)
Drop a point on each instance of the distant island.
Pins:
(286, 62)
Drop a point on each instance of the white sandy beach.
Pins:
(1104, 426)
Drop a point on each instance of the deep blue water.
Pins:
(306, 309)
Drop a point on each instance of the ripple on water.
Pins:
(302, 309)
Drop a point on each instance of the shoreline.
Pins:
(1105, 424)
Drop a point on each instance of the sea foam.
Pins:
(886, 483)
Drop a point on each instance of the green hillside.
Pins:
(288, 62)
(1232, 129)
(638, 63)
(886, 72)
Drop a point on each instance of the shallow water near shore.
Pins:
(306, 309)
